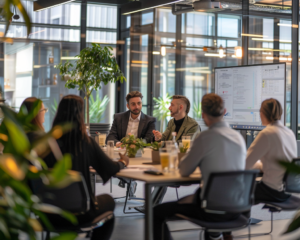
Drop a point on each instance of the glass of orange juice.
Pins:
(164, 159)
(102, 139)
(186, 141)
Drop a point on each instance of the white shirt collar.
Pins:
(137, 119)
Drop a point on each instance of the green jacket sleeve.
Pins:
(166, 133)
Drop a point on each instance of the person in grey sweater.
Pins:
(219, 149)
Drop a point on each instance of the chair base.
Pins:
(209, 228)
(259, 234)
(130, 198)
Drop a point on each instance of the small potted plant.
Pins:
(132, 145)
(155, 146)
(182, 151)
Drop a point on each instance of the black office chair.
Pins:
(291, 185)
(236, 197)
(63, 199)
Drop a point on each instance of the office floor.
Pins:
(131, 227)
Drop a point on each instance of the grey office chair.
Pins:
(291, 185)
(236, 197)
(73, 198)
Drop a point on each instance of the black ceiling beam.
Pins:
(44, 4)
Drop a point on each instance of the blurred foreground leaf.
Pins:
(65, 236)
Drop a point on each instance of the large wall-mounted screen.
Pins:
(244, 88)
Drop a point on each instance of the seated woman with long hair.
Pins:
(38, 120)
(276, 142)
(85, 152)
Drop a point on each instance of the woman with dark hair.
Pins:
(38, 120)
(276, 142)
(85, 152)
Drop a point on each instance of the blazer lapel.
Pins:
(141, 125)
(125, 121)
(182, 128)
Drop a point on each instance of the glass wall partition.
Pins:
(29, 66)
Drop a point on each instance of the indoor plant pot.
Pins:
(155, 157)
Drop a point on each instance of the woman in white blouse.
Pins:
(276, 142)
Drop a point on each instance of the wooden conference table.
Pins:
(136, 170)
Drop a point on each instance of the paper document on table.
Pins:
(133, 168)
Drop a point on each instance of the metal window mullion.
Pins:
(295, 59)
(245, 29)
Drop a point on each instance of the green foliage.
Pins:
(97, 108)
(161, 109)
(7, 13)
(197, 111)
(132, 145)
(292, 168)
(94, 66)
(183, 149)
(18, 164)
(155, 146)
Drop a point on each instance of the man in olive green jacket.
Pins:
(181, 123)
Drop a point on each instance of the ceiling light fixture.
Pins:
(163, 51)
(287, 25)
(213, 55)
(221, 51)
(252, 35)
(238, 52)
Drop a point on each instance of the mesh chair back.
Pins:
(292, 180)
(99, 127)
(73, 198)
(231, 192)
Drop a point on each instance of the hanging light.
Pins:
(238, 52)
(221, 51)
(163, 51)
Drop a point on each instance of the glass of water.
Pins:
(169, 144)
(173, 159)
(110, 149)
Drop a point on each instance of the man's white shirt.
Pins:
(133, 125)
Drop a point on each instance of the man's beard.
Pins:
(173, 113)
(135, 113)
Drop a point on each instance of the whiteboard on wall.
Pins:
(244, 88)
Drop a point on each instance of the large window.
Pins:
(207, 40)
(30, 66)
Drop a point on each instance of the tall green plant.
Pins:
(94, 66)
(18, 164)
(97, 108)
(197, 109)
(161, 109)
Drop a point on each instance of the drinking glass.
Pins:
(169, 144)
(110, 149)
(102, 138)
(164, 159)
(180, 145)
(173, 159)
(186, 141)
